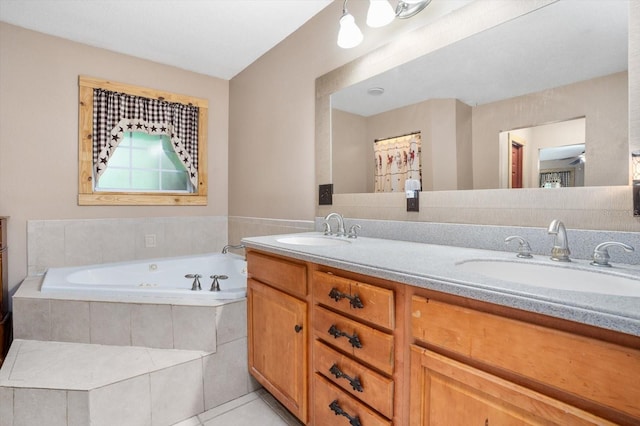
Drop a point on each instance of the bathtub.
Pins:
(153, 277)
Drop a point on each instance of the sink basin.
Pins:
(554, 277)
(304, 240)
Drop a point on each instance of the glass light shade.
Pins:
(349, 35)
(380, 13)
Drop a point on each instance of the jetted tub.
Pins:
(153, 277)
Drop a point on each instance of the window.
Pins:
(144, 162)
(140, 146)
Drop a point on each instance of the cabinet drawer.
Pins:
(334, 407)
(370, 387)
(364, 301)
(598, 371)
(288, 276)
(365, 343)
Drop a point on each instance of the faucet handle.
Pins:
(326, 228)
(353, 231)
(524, 249)
(601, 252)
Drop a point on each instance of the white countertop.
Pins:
(435, 267)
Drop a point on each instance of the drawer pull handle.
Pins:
(353, 420)
(298, 328)
(353, 300)
(354, 382)
(354, 340)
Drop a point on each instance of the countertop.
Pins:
(436, 267)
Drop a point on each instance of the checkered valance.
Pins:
(116, 113)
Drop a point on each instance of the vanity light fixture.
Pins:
(349, 35)
(380, 13)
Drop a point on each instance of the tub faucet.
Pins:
(560, 251)
(226, 248)
(340, 231)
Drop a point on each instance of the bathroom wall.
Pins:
(39, 137)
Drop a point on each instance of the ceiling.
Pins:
(218, 38)
(562, 43)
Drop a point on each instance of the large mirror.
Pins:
(565, 62)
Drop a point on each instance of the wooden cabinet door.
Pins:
(449, 393)
(277, 334)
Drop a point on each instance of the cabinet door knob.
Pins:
(353, 420)
(298, 328)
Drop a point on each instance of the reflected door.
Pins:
(516, 165)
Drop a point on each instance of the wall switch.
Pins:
(150, 240)
(325, 194)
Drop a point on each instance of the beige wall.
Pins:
(352, 153)
(272, 113)
(39, 131)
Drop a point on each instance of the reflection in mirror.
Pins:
(528, 153)
(564, 60)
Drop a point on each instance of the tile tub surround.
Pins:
(491, 237)
(57, 243)
(127, 321)
(434, 267)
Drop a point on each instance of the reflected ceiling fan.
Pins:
(579, 159)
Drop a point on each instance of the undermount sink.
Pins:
(554, 277)
(313, 240)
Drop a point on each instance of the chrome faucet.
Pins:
(524, 249)
(226, 248)
(601, 252)
(340, 231)
(560, 251)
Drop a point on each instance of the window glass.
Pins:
(144, 162)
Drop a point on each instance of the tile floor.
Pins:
(256, 408)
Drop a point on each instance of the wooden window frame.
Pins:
(87, 196)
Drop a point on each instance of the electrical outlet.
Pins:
(150, 240)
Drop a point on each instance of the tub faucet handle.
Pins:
(215, 285)
(196, 281)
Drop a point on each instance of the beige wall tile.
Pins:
(231, 321)
(110, 323)
(31, 319)
(151, 326)
(176, 393)
(194, 327)
(126, 403)
(6, 406)
(39, 407)
(225, 373)
(70, 321)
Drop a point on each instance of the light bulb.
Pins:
(380, 13)
(349, 35)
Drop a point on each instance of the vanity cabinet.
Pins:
(353, 352)
(594, 373)
(380, 353)
(277, 329)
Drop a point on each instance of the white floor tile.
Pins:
(253, 413)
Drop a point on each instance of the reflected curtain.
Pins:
(396, 160)
(116, 113)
